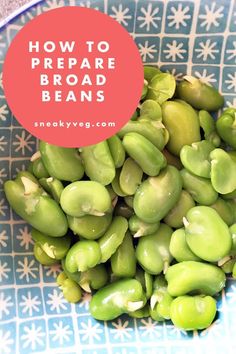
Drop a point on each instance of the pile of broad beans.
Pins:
(145, 220)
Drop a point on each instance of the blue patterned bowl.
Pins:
(197, 37)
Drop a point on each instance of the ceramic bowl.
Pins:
(194, 37)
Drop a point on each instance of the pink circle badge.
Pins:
(73, 76)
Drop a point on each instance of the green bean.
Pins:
(193, 312)
(196, 158)
(154, 131)
(190, 276)
(54, 247)
(85, 198)
(82, 256)
(76, 276)
(182, 123)
(179, 247)
(199, 95)
(116, 184)
(160, 300)
(199, 188)
(161, 87)
(130, 176)
(90, 227)
(146, 280)
(147, 156)
(39, 169)
(150, 72)
(221, 161)
(98, 163)
(122, 296)
(141, 313)
(152, 251)
(112, 238)
(33, 204)
(93, 278)
(156, 196)
(71, 290)
(117, 150)
(53, 186)
(42, 256)
(123, 261)
(151, 109)
(207, 123)
(212, 240)
(61, 163)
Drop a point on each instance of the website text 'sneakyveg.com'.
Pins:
(73, 124)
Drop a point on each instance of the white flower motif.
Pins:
(4, 270)
(87, 4)
(177, 76)
(177, 332)
(231, 82)
(3, 143)
(121, 15)
(5, 303)
(205, 77)
(3, 207)
(179, 16)
(174, 50)
(53, 4)
(61, 333)
(25, 238)
(3, 238)
(5, 342)
(57, 301)
(85, 300)
(214, 330)
(2, 175)
(149, 17)
(232, 294)
(53, 270)
(33, 336)
(207, 49)
(149, 328)
(231, 103)
(232, 52)
(23, 142)
(121, 331)
(146, 50)
(90, 331)
(27, 269)
(30, 303)
(211, 16)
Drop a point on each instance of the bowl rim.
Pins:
(18, 11)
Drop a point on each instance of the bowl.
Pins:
(196, 37)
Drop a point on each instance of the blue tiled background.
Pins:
(196, 37)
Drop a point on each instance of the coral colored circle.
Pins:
(78, 115)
